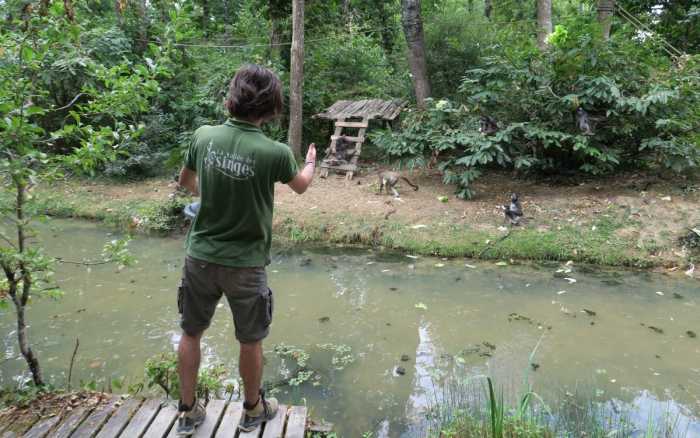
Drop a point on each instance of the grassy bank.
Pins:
(612, 236)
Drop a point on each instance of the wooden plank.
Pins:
(143, 417)
(6, 421)
(350, 139)
(42, 427)
(296, 425)
(351, 124)
(163, 422)
(230, 420)
(275, 427)
(118, 421)
(344, 167)
(71, 422)
(20, 425)
(94, 422)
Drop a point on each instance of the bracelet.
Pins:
(310, 162)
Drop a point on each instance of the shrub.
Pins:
(644, 111)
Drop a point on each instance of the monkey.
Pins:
(583, 121)
(344, 151)
(388, 180)
(487, 125)
(514, 211)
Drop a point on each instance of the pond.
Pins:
(442, 316)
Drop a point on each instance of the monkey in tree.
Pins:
(487, 125)
(388, 180)
(583, 121)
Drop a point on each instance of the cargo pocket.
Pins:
(180, 296)
(269, 302)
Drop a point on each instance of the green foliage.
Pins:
(643, 112)
(161, 371)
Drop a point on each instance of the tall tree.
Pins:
(544, 22)
(413, 29)
(488, 7)
(296, 79)
(605, 13)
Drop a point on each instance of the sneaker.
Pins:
(262, 411)
(189, 418)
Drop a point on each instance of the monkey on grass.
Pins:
(388, 180)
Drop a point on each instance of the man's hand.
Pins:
(311, 154)
(303, 179)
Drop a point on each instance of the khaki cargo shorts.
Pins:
(203, 284)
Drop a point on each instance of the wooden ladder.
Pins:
(351, 167)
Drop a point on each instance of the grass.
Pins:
(598, 244)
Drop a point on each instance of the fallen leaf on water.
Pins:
(439, 265)
(570, 280)
(470, 266)
(411, 256)
(561, 292)
(659, 293)
(501, 264)
(421, 306)
(386, 270)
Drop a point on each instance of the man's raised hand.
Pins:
(311, 154)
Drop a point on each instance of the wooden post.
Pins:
(296, 80)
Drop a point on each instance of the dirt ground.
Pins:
(653, 211)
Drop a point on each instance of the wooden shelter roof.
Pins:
(370, 109)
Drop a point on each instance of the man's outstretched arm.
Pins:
(188, 180)
(303, 179)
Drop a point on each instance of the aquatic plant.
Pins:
(161, 371)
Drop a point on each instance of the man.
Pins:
(233, 168)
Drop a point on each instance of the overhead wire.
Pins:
(641, 27)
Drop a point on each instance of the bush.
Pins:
(644, 111)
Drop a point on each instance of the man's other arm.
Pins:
(188, 180)
(303, 178)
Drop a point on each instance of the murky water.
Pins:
(438, 313)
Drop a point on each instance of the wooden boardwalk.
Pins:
(152, 418)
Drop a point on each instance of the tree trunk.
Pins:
(44, 7)
(25, 279)
(544, 22)
(24, 347)
(413, 29)
(206, 15)
(296, 80)
(143, 28)
(275, 38)
(70, 11)
(606, 8)
(488, 7)
(227, 21)
(387, 30)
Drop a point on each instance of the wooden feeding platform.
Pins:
(353, 114)
(152, 418)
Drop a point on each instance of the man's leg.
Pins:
(251, 368)
(188, 358)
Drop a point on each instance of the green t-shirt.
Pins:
(237, 167)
